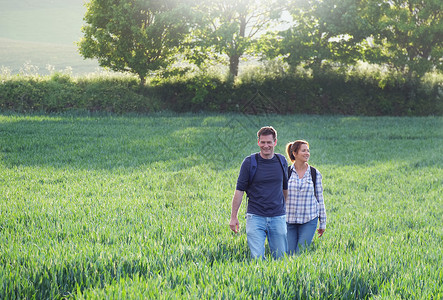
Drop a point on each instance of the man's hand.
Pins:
(234, 225)
(320, 232)
(236, 202)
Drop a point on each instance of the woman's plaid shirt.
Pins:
(302, 205)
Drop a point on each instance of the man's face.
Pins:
(267, 144)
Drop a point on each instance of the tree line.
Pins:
(144, 36)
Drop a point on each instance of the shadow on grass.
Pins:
(108, 143)
(170, 141)
(220, 142)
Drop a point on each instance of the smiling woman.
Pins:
(305, 205)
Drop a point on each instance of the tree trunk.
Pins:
(233, 65)
(142, 80)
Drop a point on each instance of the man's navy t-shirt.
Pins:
(266, 190)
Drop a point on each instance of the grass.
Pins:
(97, 207)
(41, 33)
(31, 58)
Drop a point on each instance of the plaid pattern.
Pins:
(302, 205)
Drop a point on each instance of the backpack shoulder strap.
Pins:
(314, 177)
(282, 160)
(253, 166)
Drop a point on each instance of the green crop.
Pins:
(132, 207)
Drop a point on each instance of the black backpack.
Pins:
(313, 175)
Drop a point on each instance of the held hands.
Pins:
(234, 224)
(320, 232)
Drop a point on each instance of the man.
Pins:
(266, 191)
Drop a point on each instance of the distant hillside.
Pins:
(14, 54)
(42, 32)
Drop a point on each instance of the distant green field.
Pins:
(19, 56)
(95, 207)
(42, 33)
(58, 25)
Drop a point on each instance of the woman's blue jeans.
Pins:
(300, 235)
(274, 228)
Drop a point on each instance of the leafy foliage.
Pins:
(61, 93)
(357, 91)
(322, 31)
(230, 28)
(133, 35)
(408, 35)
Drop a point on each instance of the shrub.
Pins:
(357, 91)
(60, 93)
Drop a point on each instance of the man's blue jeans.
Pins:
(300, 235)
(274, 228)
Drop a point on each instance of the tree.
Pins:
(408, 35)
(321, 31)
(136, 36)
(231, 27)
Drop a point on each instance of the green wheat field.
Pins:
(132, 207)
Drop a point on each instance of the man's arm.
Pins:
(285, 194)
(236, 202)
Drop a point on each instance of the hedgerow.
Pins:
(327, 93)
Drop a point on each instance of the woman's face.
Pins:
(302, 154)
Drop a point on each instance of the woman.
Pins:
(304, 205)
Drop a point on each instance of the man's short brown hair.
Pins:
(267, 130)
